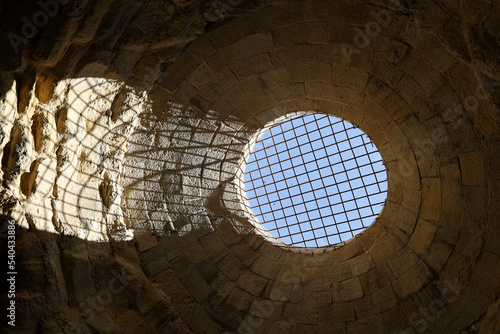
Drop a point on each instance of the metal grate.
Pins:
(314, 180)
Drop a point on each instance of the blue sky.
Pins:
(315, 180)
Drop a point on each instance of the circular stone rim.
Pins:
(245, 205)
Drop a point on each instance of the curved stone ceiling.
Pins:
(154, 168)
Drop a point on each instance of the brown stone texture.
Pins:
(124, 125)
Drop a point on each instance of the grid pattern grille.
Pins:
(315, 180)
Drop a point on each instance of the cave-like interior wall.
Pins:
(124, 125)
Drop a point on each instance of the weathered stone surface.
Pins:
(123, 126)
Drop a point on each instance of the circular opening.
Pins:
(315, 180)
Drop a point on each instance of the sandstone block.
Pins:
(299, 313)
(472, 168)
(303, 33)
(422, 237)
(347, 290)
(431, 199)
(412, 281)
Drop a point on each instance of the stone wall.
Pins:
(124, 129)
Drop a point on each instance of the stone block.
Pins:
(285, 55)
(384, 249)
(348, 251)
(318, 329)
(371, 236)
(278, 327)
(485, 277)
(412, 281)
(427, 77)
(375, 132)
(376, 303)
(449, 226)
(377, 90)
(437, 254)
(402, 261)
(288, 92)
(311, 294)
(240, 299)
(328, 53)
(354, 14)
(244, 252)
(387, 73)
(222, 59)
(181, 265)
(422, 146)
(213, 89)
(333, 109)
(202, 49)
(154, 261)
(431, 199)
(213, 244)
(392, 321)
(338, 272)
(302, 33)
(490, 323)
(266, 309)
(339, 94)
(300, 313)
(172, 246)
(347, 290)
(452, 199)
(465, 309)
(148, 296)
(470, 241)
(492, 234)
(396, 106)
(336, 313)
(294, 273)
(376, 114)
(178, 71)
(221, 285)
(131, 321)
(256, 64)
(260, 102)
(398, 138)
(349, 76)
(463, 134)
(463, 79)
(266, 268)
(472, 168)
(252, 283)
(197, 286)
(278, 291)
(395, 191)
(491, 160)
(310, 72)
(275, 78)
(235, 30)
(276, 16)
(476, 206)
(231, 266)
(410, 91)
(202, 75)
(145, 239)
(376, 278)
(201, 322)
(436, 52)
(302, 105)
(253, 45)
(422, 237)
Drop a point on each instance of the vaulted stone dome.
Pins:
(125, 126)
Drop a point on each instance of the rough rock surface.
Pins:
(123, 128)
